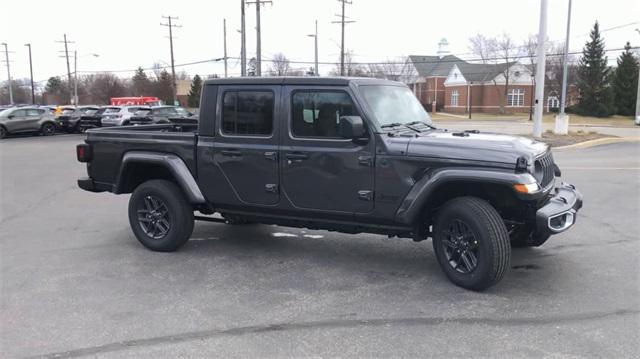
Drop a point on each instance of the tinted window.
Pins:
(19, 113)
(247, 113)
(317, 113)
(34, 112)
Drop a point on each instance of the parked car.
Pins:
(341, 154)
(27, 119)
(120, 116)
(159, 114)
(69, 120)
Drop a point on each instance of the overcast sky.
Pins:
(127, 34)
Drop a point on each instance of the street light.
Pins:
(315, 38)
(75, 74)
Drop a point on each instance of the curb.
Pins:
(598, 142)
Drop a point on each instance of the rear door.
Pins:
(246, 144)
(32, 120)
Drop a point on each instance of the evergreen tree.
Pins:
(194, 94)
(596, 95)
(141, 83)
(625, 82)
(163, 87)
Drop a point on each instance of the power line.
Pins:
(173, 68)
(199, 62)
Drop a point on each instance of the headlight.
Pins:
(526, 188)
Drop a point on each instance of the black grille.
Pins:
(544, 169)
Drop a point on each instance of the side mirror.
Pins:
(351, 127)
(11, 116)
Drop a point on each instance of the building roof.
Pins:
(482, 72)
(427, 66)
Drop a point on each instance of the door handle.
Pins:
(231, 153)
(271, 155)
(297, 156)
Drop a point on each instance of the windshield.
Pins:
(394, 105)
(68, 111)
(182, 112)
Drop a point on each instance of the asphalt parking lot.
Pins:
(75, 282)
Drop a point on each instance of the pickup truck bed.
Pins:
(111, 143)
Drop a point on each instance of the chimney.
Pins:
(443, 48)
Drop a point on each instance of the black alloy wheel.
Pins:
(3, 132)
(48, 129)
(460, 246)
(153, 217)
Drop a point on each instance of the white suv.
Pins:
(119, 115)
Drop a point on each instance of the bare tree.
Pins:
(351, 68)
(399, 69)
(280, 65)
(104, 86)
(501, 52)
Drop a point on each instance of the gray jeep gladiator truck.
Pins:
(342, 154)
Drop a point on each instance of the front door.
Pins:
(18, 121)
(246, 145)
(321, 171)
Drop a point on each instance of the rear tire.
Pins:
(48, 129)
(160, 215)
(471, 243)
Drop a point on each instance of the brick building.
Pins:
(481, 88)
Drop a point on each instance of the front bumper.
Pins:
(560, 212)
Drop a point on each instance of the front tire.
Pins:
(160, 216)
(3, 132)
(471, 243)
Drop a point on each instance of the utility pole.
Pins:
(75, 77)
(243, 42)
(6, 55)
(33, 93)
(170, 25)
(638, 96)
(258, 3)
(66, 55)
(542, 35)
(224, 29)
(562, 120)
(342, 22)
(315, 38)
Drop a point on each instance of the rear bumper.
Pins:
(90, 185)
(560, 212)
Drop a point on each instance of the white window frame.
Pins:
(515, 97)
(455, 95)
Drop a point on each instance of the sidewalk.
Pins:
(518, 126)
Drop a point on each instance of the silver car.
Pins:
(120, 115)
(27, 119)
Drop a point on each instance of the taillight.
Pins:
(84, 152)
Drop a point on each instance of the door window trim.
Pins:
(221, 119)
(325, 139)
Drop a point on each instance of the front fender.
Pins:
(173, 163)
(423, 189)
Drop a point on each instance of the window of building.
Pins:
(247, 113)
(454, 98)
(317, 113)
(515, 97)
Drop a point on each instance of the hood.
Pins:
(488, 147)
